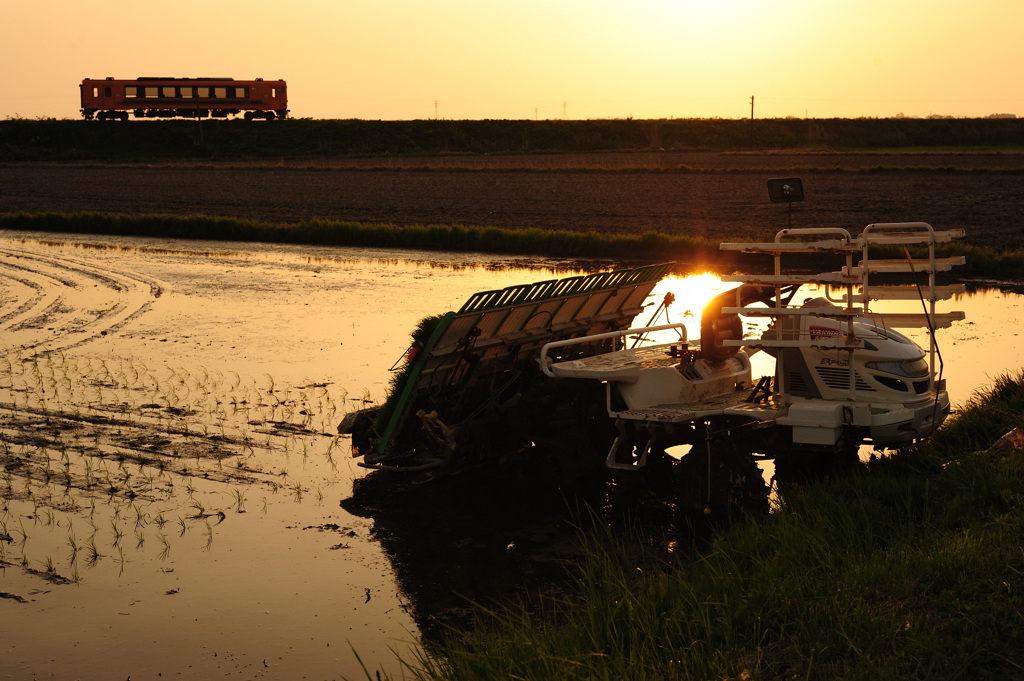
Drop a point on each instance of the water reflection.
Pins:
(172, 475)
(474, 539)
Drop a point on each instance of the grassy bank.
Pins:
(910, 568)
(650, 247)
(148, 141)
(449, 238)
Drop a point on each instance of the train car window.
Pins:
(95, 92)
(131, 91)
(203, 91)
(167, 91)
(273, 92)
(151, 92)
(186, 92)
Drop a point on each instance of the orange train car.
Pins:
(111, 98)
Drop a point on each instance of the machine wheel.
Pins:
(571, 428)
(732, 485)
(796, 467)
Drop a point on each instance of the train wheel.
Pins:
(718, 479)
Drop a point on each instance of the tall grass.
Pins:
(910, 568)
(556, 243)
(648, 247)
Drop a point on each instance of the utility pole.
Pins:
(751, 121)
(435, 109)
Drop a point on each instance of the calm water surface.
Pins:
(173, 478)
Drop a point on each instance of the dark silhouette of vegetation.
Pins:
(909, 567)
(73, 140)
(686, 251)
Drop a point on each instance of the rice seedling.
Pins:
(199, 510)
(68, 498)
(117, 532)
(73, 546)
(89, 481)
(21, 530)
(140, 516)
(165, 545)
(92, 551)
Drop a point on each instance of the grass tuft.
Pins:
(909, 568)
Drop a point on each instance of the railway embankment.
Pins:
(164, 140)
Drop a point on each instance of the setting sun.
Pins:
(565, 59)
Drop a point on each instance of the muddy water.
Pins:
(172, 474)
(173, 486)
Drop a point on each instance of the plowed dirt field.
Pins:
(714, 195)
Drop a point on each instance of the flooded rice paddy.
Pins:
(175, 501)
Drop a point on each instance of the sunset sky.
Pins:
(576, 59)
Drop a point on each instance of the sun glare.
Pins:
(691, 293)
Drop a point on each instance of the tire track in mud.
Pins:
(52, 303)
